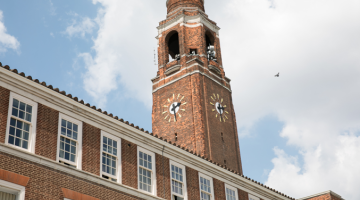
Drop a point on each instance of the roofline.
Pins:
(320, 194)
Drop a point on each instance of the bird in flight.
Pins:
(277, 75)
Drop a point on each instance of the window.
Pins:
(231, 192)
(178, 181)
(69, 141)
(110, 157)
(11, 191)
(146, 170)
(251, 197)
(206, 187)
(21, 125)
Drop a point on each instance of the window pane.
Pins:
(11, 139)
(22, 106)
(15, 103)
(26, 127)
(69, 125)
(12, 122)
(75, 127)
(19, 124)
(28, 117)
(63, 123)
(21, 114)
(12, 131)
(29, 109)
(15, 112)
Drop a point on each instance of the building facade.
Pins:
(54, 146)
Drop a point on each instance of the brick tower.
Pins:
(192, 101)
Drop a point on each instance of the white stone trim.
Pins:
(118, 166)
(12, 188)
(252, 197)
(153, 170)
(78, 162)
(232, 188)
(183, 20)
(32, 134)
(68, 106)
(188, 74)
(185, 195)
(211, 184)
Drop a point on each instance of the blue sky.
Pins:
(301, 127)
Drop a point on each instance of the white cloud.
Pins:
(52, 8)
(315, 46)
(123, 51)
(80, 27)
(6, 41)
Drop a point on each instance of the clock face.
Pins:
(219, 107)
(174, 108)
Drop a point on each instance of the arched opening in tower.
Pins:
(210, 48)
(210, 40)
(173, 46)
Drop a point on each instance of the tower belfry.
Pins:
(192, 98)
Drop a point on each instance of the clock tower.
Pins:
(192, 97)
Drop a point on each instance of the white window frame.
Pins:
(232, 188)
(12, 188)
(211, 185)
(78, 161)
(153, 172)
(253, 197)
(118, 164)
(185, 196)
(32, 134)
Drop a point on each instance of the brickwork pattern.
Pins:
(192, 181)
(325, 197)
(46, 183)
(163, 177)
(4, 108)
(219, 190)
(129, 163)
(243, 195)
(174, 4)
(46, 132)
(226, 147)
(184, 127)
(91, 149)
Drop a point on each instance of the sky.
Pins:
(299, 133)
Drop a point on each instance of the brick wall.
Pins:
(219, 189)
(163, 177)
(225, 148)
(243, 195)
(174, 4)
(46, 183)
(91, 149)
(4, 107)
(192, 181)
(129, 163)
(325, 197)
(46, 132)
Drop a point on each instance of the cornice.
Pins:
(191, 73)
(183, 19)
(41, 93)
(322, 193)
